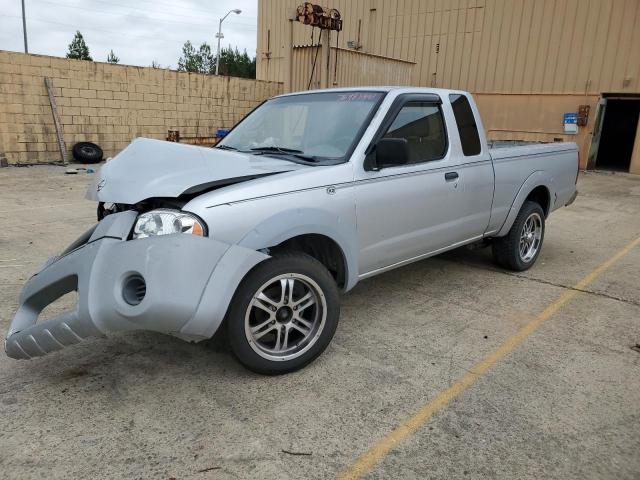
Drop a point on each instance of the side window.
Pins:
(421, 123)
(466, 125)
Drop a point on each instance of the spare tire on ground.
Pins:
(87, 152)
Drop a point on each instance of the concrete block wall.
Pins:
(112, 104)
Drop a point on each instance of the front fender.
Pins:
(291, 223)
(216, 298)
(536, 179)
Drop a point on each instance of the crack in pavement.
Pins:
(547, 282)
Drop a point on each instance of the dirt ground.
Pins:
(563, 402)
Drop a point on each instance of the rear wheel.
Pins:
(519, 249)
(284, 314)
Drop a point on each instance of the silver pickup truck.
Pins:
(309, 194)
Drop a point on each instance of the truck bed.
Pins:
(513, 166)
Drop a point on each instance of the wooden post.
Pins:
(56, 121)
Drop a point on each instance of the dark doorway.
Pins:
(618, 134)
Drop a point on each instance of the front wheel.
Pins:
(519, 249)
(284, 314)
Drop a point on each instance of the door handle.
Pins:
(451, 176)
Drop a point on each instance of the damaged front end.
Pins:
(153, 169)
(127, 278)
(147, 264)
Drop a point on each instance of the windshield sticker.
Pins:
(357, 96)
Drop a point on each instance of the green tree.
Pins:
(236, 64)
(207, 60)
(111, 58)
(78, 48)
(198, 61)
(188, 61)
(202, 60)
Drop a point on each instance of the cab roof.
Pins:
(384, 89)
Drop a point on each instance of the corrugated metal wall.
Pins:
(484, 46)
(353, 68)
(302, 66)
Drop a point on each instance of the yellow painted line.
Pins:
(371, 457)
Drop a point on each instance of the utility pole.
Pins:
(219, 35)
(24, 28)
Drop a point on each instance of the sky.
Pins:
(138, 31)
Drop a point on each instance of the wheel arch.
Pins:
(537, 187)
(316, 232)
(321, 247)
(542, 197)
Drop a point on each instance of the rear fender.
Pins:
(536, 179)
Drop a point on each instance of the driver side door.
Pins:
(408, 210)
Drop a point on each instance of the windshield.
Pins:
(314, 125)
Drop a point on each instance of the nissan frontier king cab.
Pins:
(309, 194)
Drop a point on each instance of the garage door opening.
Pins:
(619, 127)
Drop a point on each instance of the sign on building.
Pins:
(570, 122)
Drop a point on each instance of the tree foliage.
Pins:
(111, 58)
(236, 64)
(197, 61)
(78, 48)
(202, 60)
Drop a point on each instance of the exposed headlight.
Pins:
(166, 222)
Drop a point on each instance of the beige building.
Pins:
(541, 70)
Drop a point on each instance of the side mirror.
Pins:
(388, 152)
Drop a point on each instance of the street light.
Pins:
(219, 35)
(24, 28)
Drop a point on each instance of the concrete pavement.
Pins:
(565, 403)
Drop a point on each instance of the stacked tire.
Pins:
(87, 152)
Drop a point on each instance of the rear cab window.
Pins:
(466, 122)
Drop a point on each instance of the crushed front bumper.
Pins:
(189, 283)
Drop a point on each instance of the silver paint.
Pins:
(379, 220)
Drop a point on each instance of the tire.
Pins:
(87, 152)
(508, 250)
(276, 333)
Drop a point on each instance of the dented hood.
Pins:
(153, 168)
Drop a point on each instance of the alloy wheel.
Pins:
(285, 317)
(530, 237)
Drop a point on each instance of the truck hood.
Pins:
(154, 168)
